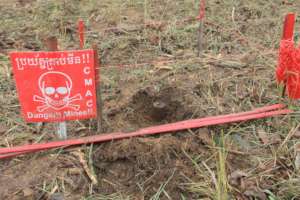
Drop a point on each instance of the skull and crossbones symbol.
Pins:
(56, 92)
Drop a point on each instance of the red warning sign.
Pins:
(55, 86)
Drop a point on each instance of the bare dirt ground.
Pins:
(165, 82)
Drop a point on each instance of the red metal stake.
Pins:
(288, 29)
(188, 124)
(288, 34)
(81, 33)
(183, 123)
(201, 10)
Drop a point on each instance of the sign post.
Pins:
(55, 86)
(97, 74)
(98, 90)
(52, 45)
(62, 130)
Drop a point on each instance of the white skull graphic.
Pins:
(56, 90)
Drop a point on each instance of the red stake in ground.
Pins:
(81, 33)
(201, 15)
(288, 69)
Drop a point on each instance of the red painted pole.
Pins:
(288, 34)
(255, 111)
(288, 29)
(201, 10)
(81, 33)
(188, 124)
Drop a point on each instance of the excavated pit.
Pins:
(152, 106)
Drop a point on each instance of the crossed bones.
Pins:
(47, 104)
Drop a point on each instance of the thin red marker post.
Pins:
(81, 33)
(200, 17)
(288, 34)
(52, 45)
(288, 28)
(97, 74)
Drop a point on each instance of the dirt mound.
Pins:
(24, 175)
(138, 165)
(157, 105)
(151, 106)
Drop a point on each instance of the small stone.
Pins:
(297, 134)
(57, 196)
(27, 192)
